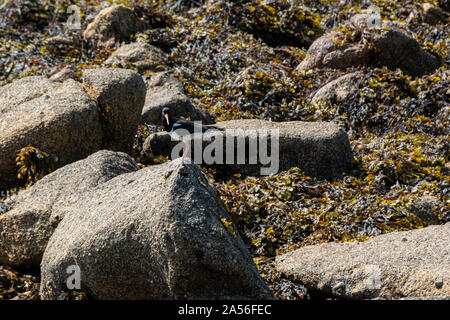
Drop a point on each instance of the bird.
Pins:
(172, 125)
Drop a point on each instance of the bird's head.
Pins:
(166, 115)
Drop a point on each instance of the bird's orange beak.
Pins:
(167, 119)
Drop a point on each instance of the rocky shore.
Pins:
(350, 99)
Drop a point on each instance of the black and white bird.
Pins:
(183, 127)
(171, 124)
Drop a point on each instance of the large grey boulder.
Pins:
(114, 24)
(320, 149)
(58, 118)
(380, 46)
(411, 263)
(30, 218)
(141, 55)
(69, 120)
(120, 96)
(158, 233)
(166, 91)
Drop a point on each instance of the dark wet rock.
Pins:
(381, 46)
(30, 220)
(163, 91)
(320, 149)
(277, 23)
(141, 55)
(426, 13)
(384, 266)
(18, 286)
(58, 45)
(114, 24)
(158, 144)
(427, 209)
(158, 233)
(439, 284)
(431, 14)
(444, 5)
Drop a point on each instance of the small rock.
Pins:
(439, 284)
(141, 55)
(427, 209)
(24, 295)
(58, 45)
(444, 5)
(10, 12)
(63, 74)
(431, 14)
(163, 91)
(338, 90)
(412, 17)
(114, 24)
(388, 43)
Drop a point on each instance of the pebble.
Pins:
(439, 284)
